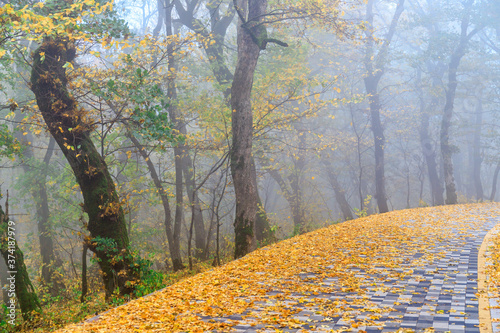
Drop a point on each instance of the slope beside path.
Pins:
(409, 270)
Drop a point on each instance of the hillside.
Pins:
(378, 273)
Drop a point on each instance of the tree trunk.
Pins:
(359, 156)
(446, 146)
(263, 232)
(66, 123)
(375, 70)
(477, 151)
(199, 225)
(430, 159)
(245, 186)
(84, 273)
(18, 274)
(428, 148)
(371, 84)
(215, 55)
(50, 261)
(339, 192)
(172, 235)
(494, 183)
(181, 151)
(469, 177)
(295, 179)
(3, 281)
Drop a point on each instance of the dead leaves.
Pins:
(270, 283)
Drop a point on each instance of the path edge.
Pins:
(485, 324)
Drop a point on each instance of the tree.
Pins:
(71, 129)
(250, 16)
(476, 154)
(428, 147)
(375, 68)
(11, 253)
(183, 161)
(454, 63)
(213, 42)
(66, 123)
(434, 65)
(494, 183)
(38, 188)
(338, 190)
(173, 234)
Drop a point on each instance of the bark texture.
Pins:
(220, 21)
(67, 124)
(245, 185)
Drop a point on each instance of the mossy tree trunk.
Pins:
(68, 124)
(3, 282)
(13, 256)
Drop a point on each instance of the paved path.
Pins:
(406, 271)
(440, 293)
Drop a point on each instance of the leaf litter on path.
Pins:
(274, 285)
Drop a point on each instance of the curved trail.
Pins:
(410, 270)
(443, 295)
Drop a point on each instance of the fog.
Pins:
(353, 109)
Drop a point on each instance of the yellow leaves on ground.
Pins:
(295, 270)
(493, 264)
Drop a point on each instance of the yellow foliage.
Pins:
(335, 253)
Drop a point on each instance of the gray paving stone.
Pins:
(438, 294)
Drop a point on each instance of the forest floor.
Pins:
(409, 270)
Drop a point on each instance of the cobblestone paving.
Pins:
(440, 294)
